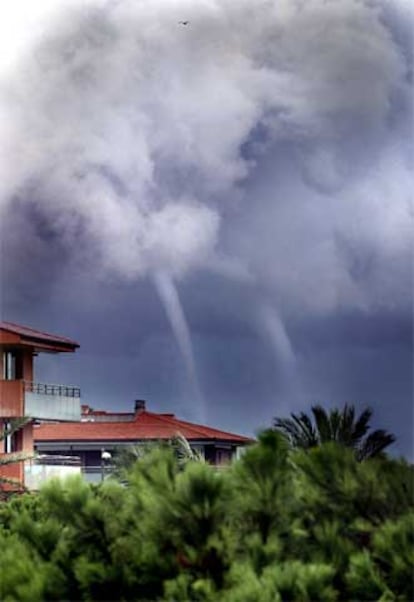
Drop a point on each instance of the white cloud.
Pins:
(127, 129)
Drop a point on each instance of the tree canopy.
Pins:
(342, 426)
(279, 524)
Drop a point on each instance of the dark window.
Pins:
(92, 458)
(223, 456)
(12, 365)
(210, 454)
(12, 443)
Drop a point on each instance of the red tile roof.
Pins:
(146, 425)
(87, 412)
(37, 335)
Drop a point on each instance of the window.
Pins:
(12, 365)
(223, 456)
(13, 442)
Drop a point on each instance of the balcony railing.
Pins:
(55, 460)
(47, 389)
(42, 468)
(39, 400)
(52, 402)
(96, 474)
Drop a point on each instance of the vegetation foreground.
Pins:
(280, 524)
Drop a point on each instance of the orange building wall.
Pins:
(12, 391)
(12, 395)
(12, 471)
(11, 398)
(27, 438)
(25, 445)
(28, 366)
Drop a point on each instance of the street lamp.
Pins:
(105, 459)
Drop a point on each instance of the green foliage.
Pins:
(289, 580)
(246, 585)
(340, 426)
(280, 524)
(262, 485)
(364, 580)
(393, 551)
(21, 577)
(184, 452)
(306, 582)
(125, 458)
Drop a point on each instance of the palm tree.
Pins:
(125, 458)
(14, 457)
(183, 452)
(342, 426)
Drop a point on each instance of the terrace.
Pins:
(39, 400)
(43, 467)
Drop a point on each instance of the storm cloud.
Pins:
(253, 167)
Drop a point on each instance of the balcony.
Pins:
(51, 402)
(39, 400)
(44, 467)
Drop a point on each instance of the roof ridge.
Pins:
(169, 420)
(202, 428)
(194, 427)
(4, 324)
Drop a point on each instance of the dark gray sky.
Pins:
(220, 213)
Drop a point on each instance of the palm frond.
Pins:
(335, 424)
(184, 451)
(308, 433)
(14, 457)
(13, 482)
(374, 444)
(342, 426)
(361, 426)
(124, 458)
(289, 430)
(323, 424)
(345, 425)
(298, 430)
(14, 425)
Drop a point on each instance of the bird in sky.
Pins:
(183, 22)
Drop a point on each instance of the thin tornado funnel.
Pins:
(277, 334)
(169, 297)
(274, 329)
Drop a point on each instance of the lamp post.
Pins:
(105, 459)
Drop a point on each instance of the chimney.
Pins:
(139, 406)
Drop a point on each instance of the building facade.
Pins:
(22, 396)
(101, 432)
(64, 437)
